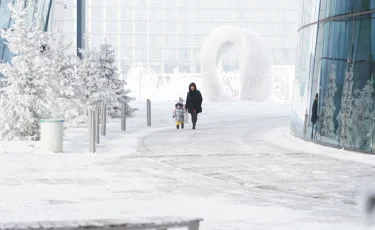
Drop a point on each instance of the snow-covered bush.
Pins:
(23, 100)
(88, 71)
(114, 88)
(65, 89)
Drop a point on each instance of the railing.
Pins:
(104, 225)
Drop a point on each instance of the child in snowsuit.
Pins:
(178, 115)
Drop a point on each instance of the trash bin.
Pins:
(52, 135)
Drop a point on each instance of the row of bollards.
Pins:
(97, 122)
(98, 115)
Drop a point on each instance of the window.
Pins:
(155, 2)
(126, 40)
(126, 26)
(170, 13)
(194, 3)
(97, 40)
(141, 40)
(140, 3)
(169, 27)
(140, 53)
(111, 39)
(183, 15)
(156, 41)
(193, 15)
(155, 53)
(96, 12)
(126, 3)
(169, 40)
(126, 13)
(184, 54)
(97, 27)
(140, 13)
(170, 54)
(126, 53)
(140, 26)
(155, 27)
(112, 26)
(69, 25)
(97, 2)
(111, 2)
(169, 3)
(154, 13)
(111, 13)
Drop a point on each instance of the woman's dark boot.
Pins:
(177, 126)
(193, 126)
(182, 126)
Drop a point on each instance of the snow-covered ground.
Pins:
(240, 169)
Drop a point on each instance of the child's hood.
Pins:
(179, 104)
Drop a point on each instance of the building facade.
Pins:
(40, 14)
(335, 59)
(164, 34)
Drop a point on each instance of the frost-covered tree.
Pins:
(114, 89)
(346, 106)
(23, 100)
(362, 116)
(326, 118)
(65, 91)
(88, 71)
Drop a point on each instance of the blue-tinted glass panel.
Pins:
(4, 13)
(363, 5)
(37, 16)
(338, 7)
(344, 66)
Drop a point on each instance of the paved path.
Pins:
(239, 170)
(256, 164)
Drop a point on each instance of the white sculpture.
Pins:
(254, 59)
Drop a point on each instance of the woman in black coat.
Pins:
(194, 103)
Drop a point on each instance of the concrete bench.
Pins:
(157, 224)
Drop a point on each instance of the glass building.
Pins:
(164, 34)
(40, 16)
(335, 58)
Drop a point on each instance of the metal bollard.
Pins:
(96, 125)
(104, 120)
(91, 124)
(123, 116)
(148, 112)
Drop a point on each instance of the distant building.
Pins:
(164, 34)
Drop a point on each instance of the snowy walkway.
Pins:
(239, 170)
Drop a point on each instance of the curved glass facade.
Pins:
(39, 17)
(336, 59)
